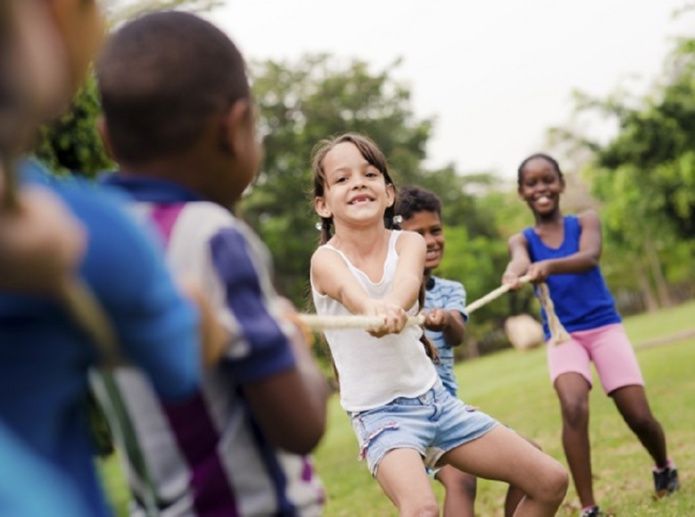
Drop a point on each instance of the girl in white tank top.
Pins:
(402, 415)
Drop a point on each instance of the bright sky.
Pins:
(495, 74)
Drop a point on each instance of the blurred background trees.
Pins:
(642, 179)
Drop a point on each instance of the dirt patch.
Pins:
(665, 340)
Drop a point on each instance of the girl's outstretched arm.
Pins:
(519, 261)
(586, 258)
(411, 249)
(331, 276)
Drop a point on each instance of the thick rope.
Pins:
(493, 295)
(350, 321)
(558, 334)
(321, 323)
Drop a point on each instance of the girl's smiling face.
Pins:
(541, 186)
(355, 190)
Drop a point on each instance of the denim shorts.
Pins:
(432, 424)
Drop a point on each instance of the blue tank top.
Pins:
(582, 300)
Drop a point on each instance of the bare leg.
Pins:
(403, 478)
(460, 491)
(503, 455)
(573, 392)
(632, 403)
(514, 494)
(512, 499)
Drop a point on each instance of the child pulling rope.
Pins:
(321, 323)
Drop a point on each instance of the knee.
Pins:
(464, 484)
(555, 485)
(423, 507)
(575, 413)
(455, 481)
(468, 485)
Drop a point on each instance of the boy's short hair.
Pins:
(161, 76)
(413, 199)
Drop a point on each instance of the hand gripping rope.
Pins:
(558, 334)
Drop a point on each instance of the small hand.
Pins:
(437, 320)
(395, 318)
(302, 336)
(539, 271)
(512, 280)
(43, 243)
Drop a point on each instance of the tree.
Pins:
(645, 178)
(117, 11)
(300, 103)
(72, 144)
(304, 101)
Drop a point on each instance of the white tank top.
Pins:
(375, 371)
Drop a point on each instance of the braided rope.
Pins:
(558, 334)
(351, 321)
(320, 323)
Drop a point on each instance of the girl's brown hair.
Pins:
(369, 150)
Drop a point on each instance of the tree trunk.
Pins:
(658, 274)
(647, 295)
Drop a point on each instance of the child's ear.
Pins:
(103, 131)
(390, 194)
(238, 121)
(321, 207)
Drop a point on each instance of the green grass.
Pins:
(514, 387)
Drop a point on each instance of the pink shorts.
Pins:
(610, 350)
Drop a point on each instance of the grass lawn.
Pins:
(514, 387)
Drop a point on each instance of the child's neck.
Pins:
(552, 219)
(361, 246)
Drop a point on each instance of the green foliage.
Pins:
(301, 103)
(652, 155)
(316, 97)
(645, 179)
(117, 11)
(72, 143)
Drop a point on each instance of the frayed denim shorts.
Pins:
(433, 423)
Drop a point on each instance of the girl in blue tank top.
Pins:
(564, 252)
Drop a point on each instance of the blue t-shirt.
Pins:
(447, 295)
(582, 301)
(30, 487)
(45, 356)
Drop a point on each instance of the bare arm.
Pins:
(291, 406)
(332, 277)
(450, 323)
(41, 245)
(411, 249)
(586, 258)
(405, 289)
(519, 261)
